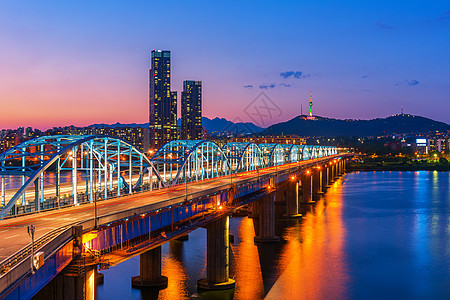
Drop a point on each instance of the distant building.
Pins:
(191, 110)
(396, 145)
(285, 139)
(440, 144)
(163, 102)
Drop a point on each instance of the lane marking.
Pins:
(12, 236)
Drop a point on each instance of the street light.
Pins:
(257, 170)
(95, 209)
(185, 183)
(31, 230)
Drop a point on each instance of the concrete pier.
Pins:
(217, 257)
(341, 167)
(292, 200)
(317, 182)
(266, 220)
(76, 282)
(333, 172)
(150, 269)
(325, 175)
(307, 186)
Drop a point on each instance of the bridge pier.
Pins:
(325, 175)
(333, 172)
(76, 282)
(150, 271)
(254, 215)
(266, 220)
(217, 257)
(341, 167)
(77, 286)
(292, 200)
(307, 187)
(281, 194)
(317, 182)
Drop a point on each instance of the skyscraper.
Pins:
(191, 110)
(163, 102)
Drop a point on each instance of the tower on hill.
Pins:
(310, 117)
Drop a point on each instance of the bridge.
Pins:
(116, 203)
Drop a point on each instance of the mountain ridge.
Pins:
(328, 127)
(213, 126)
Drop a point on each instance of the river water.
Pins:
(373, 235)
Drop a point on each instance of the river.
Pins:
(373, 235)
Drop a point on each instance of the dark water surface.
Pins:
(373, 235)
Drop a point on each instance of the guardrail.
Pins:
(18, 264)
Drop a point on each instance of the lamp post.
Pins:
(185, 184)
(257, 171)
(31, 230)
(95, 210)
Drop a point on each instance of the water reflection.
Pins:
(172, 266)
(245, 262)
(313, 256)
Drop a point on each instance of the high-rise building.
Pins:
(191, 110)
(163, 102)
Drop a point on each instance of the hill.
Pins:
(327, 127)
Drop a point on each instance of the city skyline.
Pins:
(361, 61)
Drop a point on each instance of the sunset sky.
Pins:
(83, 62)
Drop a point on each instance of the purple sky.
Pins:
(84, 62)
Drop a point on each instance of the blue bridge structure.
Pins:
(97, 200)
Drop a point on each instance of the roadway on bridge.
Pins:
(13, 231)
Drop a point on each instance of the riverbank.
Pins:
(403, 165)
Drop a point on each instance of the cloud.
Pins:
(412, 82)
(287, 74)
(249, 86)
(267, 86)
(409, 82)
(296, 74)
(445, 15)
(285, 84)
(383, 26)
(364, 76)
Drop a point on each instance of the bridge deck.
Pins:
(13, 232)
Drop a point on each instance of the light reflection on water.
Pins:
(313, 256)
(373, 235)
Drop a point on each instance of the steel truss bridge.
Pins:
(106, 167)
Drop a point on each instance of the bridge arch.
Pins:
(309, 152)
(190, 160)
(243, 156)
(293, 153)
(273, 154)
(108, 164)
